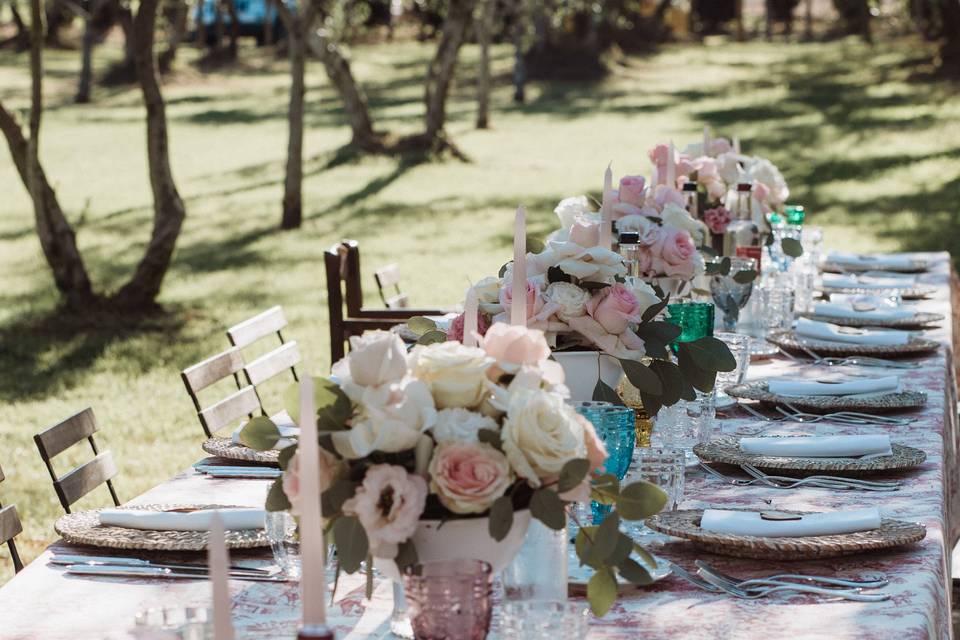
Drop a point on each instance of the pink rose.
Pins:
(645, 261)
(632, 190)
(585, 233)
(614, 308)
(677, 253)
(760, 191)
(455, 332)
(514, 345)
(716, 189)
(388, 504)
(468, 476)
(664, 195)
(535, 299)
(684, 167)
(658, 156)
(717, 219)
(330, 468)
(719, 146)
(651, 236)
(706, 169)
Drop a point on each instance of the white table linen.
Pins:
(233, 519)
(852, 446)
(816, 330)
(851, 387)
(750, 523)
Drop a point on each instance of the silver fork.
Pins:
(863, 361)
(857, 414)
(693, 579)
(811, 418)
(787, 587)
(779, 482)
(788, 577)
(827, 482)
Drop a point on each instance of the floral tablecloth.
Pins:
(43, 603)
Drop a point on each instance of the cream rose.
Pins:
(512, 346)
(570, 209)
(765, 172)
(540, 434)
(454, 373)
(331, 468)
(460, 425)
(593, 263)
(728, 166)
(570, 298)
(678, 218)
(646, 296)
(488, 290)
(377, 357)
(468, 476)
(392, 427)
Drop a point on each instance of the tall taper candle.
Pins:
(219, 562)
(470, 318)
(706, 141)
(313, 581)
(736, 144)
(671, 168)
(518, 306)
(606, 210)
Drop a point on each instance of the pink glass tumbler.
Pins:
(448, 600)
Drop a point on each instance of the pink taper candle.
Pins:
(313, 581)
(706, 141)
(671, 167)
(736, 144)
(606, 210)
(518, 307)
(470, 318)
(219, 563)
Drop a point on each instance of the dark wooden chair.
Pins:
(77, 483)
(243, 403)
(389, 276)
(348, 317)
(10, 528)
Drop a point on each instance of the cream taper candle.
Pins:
(518, 306)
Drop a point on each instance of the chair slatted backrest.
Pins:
(10, 527)
(204, 374)
(273, 363)
(345, 300)
(389, 276)
(79, 482)
(271, 321)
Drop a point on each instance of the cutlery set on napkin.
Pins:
(848, 387)
(828, 332)
(878, 261)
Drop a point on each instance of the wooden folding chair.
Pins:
(79, 482)
(348, 317)
(10, 527)
(389, 276)
(274, 362)
(243, 403)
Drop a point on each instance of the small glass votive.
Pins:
(739, 345)
(544, 620)
(695, 320)
(615, 426)
(281, 529)
(173, 623)
(449, 599)
(774, 308)
(665, 468)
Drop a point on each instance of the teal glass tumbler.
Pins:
(695, 320)
(614, 425)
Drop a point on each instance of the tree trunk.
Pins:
(949, 53)
(768, 15)
(57, 238)
(351, 94)
(125, 18)
(484, 28)
(178, 27)
(168, 210)
(519, 65)
(85, 81)
(22, 36)
(234, 29)
(440, 71)
(808, 20)
(738, 12)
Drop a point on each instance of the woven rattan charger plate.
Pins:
(789, 340)
(916, 321)
(686, 524)
(913, 292)
(890, 401)
(726, 450)
(84, 528)
(913, 266)
(226, 448)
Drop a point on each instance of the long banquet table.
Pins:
(43, 603)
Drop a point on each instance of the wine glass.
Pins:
(729, 294)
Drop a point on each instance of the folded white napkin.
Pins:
(832, 333)
(852, 387)
(285, 425)
(865, 282)
(750, 523)
(877, 260)
(235, 518)
(847, 310)
(819, 446)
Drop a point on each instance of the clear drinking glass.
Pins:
(729, 295)
(664, 467)
(449, 599)
(687, 423)
(281, 529)
(739, 345)
(775, 307)
(544, 620)
(781, 231)
(174, 623)
(539, 570)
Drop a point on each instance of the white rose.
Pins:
(594, 263)
(569, 297)
(460, 425)
(675, 216)
(645, 294)
(762, 170)
(570, 208)
(389, 428)
(637, 222)
(729, 168)
(376, 357)
(454, 373)
(540, 434)
(488, 290)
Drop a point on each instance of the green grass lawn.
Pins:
(866, 140)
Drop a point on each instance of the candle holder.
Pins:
(695, 320)
(449, 599)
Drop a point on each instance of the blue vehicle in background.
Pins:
(253, 16)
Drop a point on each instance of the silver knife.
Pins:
(160, 572)
(71, 559)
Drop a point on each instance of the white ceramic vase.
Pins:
(581, 369)
(459, 539)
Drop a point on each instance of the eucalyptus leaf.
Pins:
(743, 277)
(640, 500)
(645, 555)
(725, 266)
(547, 507)
(708, 251)
(421, 325)
(693, 375)
(606, 488)
(710, 354)
(406, 555)
(283, 460)
(556, 274)
(622, 551)
(655, 349)
(632, 571)
(642, 377)
(768, 240)
(605, 393)
(791, 247)
(572, 474)
(501, 518)
(659, 331)
(672, 380)
(276, 498)
(333, 405)
(654, 309)
(491, 437)
(605, 539)
(651, 403)
(535, 244)
(503, 269)
(602, 591)
(584, 545)
(351, 540)
(331, 500)
(260, 434)
(432, 337)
